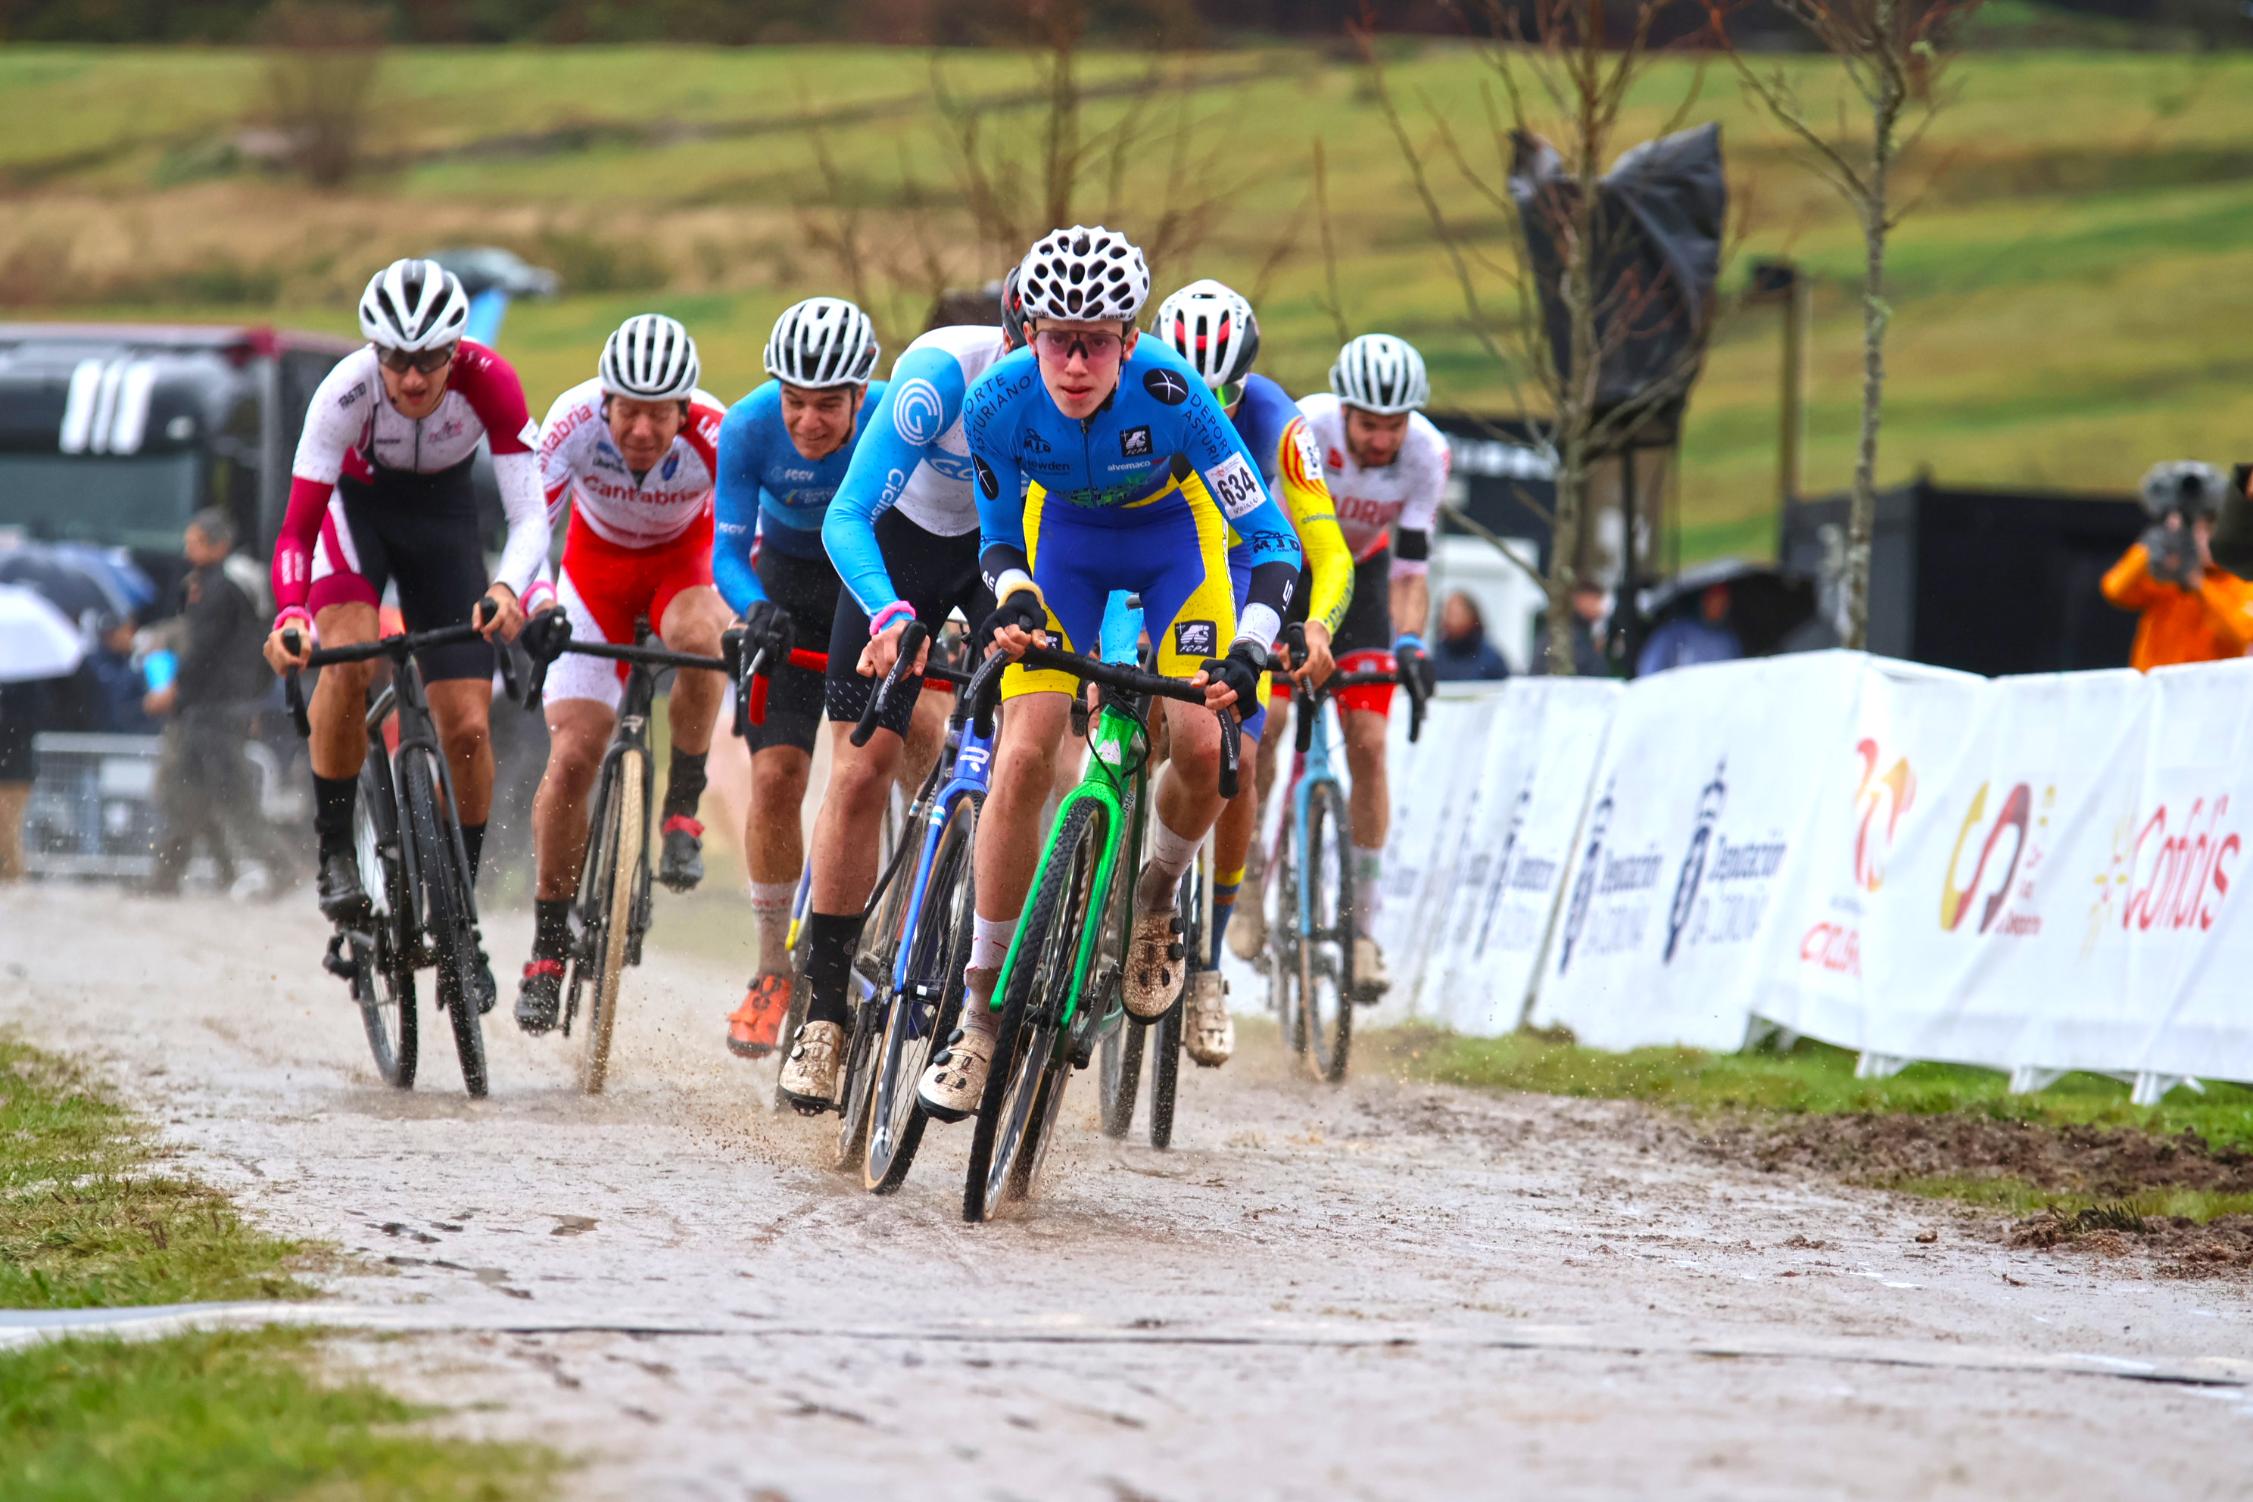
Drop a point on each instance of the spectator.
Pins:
(118, 688)
(2193, 610)
(1589, 630)
(20, 706)
(1688, 638)
(1462, 653)
(204, 790)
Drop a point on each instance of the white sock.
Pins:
(1368, 887)
(989, 946)
(1170, 855)
(771, 902)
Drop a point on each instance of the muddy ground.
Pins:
(1389, 1290)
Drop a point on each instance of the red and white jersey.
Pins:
(1371, 502)
(581, 467)
(351, 429)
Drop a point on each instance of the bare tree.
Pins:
(1558, 78)
(1893, 53)
(320, 80)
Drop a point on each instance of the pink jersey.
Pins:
(581, 468)
(1371, 502)
(353, 431)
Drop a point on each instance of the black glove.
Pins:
(1240, 670)
(1408, 657)
(1021, 608)
(764, 620)
(544, 635)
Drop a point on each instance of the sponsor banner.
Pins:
(1702, 807)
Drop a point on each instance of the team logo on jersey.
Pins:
(1134, 443)
(1036, 444)
(1166, 385)
(986, 480)
(1193, 638)
(917, 410)
(670, 468)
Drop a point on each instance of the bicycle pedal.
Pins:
(334, 961)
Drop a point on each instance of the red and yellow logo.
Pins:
(1880, 800)
(1993, 874)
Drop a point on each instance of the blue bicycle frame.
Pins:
(971, 765)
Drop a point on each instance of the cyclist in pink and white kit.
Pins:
(380, 494)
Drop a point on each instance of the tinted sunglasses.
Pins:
(429, 362)
(1062, 344)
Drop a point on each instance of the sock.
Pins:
(551, 928)
(473, 844)
(1170, 855)
(770, 915)
(1368, 887)
(989, 946)
(1225, 885)
(829, 962)
(333, 800)
(684, 784)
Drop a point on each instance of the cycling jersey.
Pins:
(581, 468)
(1271, 427)
(353, 432)
(1142, 495)
(771, 498)
(915, 457)
(1373, 503)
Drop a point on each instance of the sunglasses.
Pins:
(429, 362)
(1062, 344)
(1230, 394)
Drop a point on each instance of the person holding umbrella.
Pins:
(38, 648)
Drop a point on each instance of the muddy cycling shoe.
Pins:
(539, 996)
(1247, 928)
(1371, 980)
(752, 1026)
(681, 866)
(809, 1074)
(1154, 970)
(956, 1078)
(1207, 1031)
(342, 897)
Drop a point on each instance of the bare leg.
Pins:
(693, 623)
(578, 733)
(463, 708)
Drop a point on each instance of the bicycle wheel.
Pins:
(622, 842)
(383, 981)
(925, 1011)
(450, 918)
(1040, 981)
(801, 949)
(1119, 1073)
(1281, 894)
(1326, 948)
(1165, 1031)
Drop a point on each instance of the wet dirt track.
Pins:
(1393, 1290)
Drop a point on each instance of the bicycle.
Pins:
(612, 910)
(421, 909)
(1061, 985)
(1311, 925)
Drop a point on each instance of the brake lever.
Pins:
(911, 642)
(1231, 754)
(293, 688)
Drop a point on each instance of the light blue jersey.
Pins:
(767, 493)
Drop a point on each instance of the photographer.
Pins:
(2193, 610)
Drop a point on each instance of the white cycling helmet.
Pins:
(1380, 373)
(1210, 325)
(1085, 272)
(823, 341)
(650, 359)
(414, 305)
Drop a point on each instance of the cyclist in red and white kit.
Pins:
(1387, 470)
(632, 454)
(380, 494)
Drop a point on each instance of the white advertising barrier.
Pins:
(1704, 800)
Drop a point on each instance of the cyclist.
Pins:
(783, 451)
(1387, 470)
(903, 531)
(380, 494)
(632, 453)
(1103, 464)
(1213, 328)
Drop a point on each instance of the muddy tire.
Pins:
(383, 982)
(448, 913)
(621, 838)
(1325, 958)
(926, 1011)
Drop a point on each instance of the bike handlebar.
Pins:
(985, 693)
(398, 648)
(1303, 727)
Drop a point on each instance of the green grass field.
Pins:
(2068, 292)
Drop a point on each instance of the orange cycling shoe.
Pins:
(753, 1026)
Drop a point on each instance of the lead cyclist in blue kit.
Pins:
(1104, 464)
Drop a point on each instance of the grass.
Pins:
(1809, 1078)
(2017, 1197)
(2066, 295)
(86, 1220)
(229, 1415)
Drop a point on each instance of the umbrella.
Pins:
(126, 578)
(35, 640)
(1766, 604)
(70, 585)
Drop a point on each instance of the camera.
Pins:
(2175, 495)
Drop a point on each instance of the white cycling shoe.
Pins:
(1207, 1031)
(1371, 979)
(809, 1075)
(955, 1079)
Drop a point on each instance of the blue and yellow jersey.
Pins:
(1269, 423)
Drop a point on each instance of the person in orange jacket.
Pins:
(2193, 609)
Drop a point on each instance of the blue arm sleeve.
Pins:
(922, 401)
(735, 504)
(990, 427)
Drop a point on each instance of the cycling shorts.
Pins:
(808, 591)
(1176, 559)
(936, 575)
(418, 532)
(606, 587)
